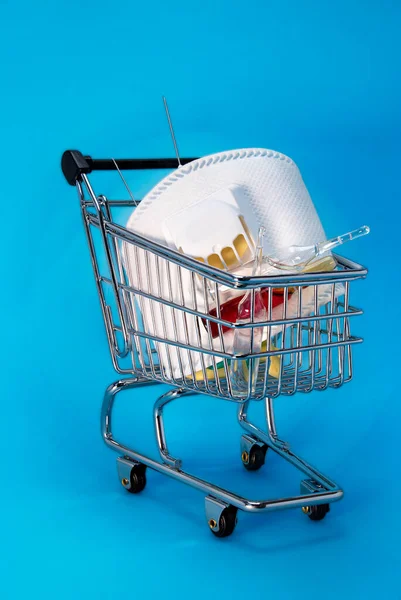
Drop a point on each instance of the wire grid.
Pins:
(165, 319)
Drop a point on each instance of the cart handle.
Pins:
(74, 164)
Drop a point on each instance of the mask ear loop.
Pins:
(170, 124)
(125, 183)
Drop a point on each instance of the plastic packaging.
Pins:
(296, 258)
(219, 230)
(251, 309)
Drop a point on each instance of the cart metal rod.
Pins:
(159, 425)
(203, 350)
(280, 447)
(116, 202)
(352, 312)
(201, 485)
(220, 276)
(135, 164)
(108, 253)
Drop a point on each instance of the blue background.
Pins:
(319, 81)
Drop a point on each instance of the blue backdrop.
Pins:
(318, 81)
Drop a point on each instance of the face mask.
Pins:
(265, 185)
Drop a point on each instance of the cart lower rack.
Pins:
(307, 343)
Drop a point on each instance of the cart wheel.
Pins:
(137, 479)
(255, 458)
(227, 522)
(316, 513)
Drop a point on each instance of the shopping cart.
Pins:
(307, 347)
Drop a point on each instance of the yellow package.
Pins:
(274, 368)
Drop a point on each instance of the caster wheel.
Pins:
(316, 513)
(227, 522)
(137, 479)
(255, 458)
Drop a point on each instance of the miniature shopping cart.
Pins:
(307, 346)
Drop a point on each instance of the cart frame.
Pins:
(126, 340)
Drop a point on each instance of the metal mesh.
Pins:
(166, 316)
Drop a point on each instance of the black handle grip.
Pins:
(74, 164)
